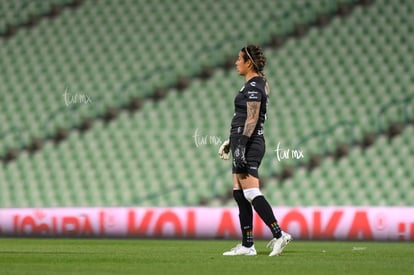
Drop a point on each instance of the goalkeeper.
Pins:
(247, 145)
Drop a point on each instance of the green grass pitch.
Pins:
(115, 256)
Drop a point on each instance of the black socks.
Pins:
(263, 208)
(245, 216)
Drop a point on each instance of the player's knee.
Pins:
(251, 193)
(238, 195)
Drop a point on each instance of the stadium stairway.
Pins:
(19, 14)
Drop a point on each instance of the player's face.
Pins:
(241, 65)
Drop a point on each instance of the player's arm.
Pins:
(253, 110)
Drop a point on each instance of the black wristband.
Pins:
(243, 140)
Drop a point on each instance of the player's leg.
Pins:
(250, 186)
(252, 193)
(245, 213)
(246, 222)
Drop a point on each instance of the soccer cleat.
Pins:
(241, 250)
(277, 245)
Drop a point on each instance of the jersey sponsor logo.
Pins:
(253, 94)
(253, 83)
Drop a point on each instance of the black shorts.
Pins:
(255, 150)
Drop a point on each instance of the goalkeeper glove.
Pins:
(224, 150)
(239, 158)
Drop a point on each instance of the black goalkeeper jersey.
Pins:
(253, 90)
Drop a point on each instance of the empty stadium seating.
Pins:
(166, 154)
(110, 52)
(379, 175)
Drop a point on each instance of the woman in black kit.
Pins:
(247, 145)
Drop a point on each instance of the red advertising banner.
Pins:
(309, 223)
